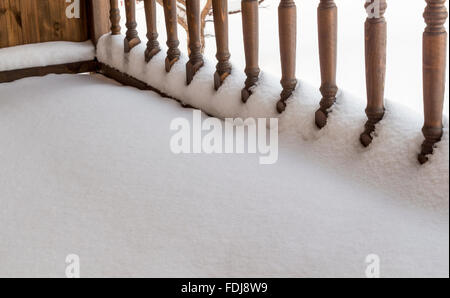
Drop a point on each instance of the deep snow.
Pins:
(390, 162)
(87, 169)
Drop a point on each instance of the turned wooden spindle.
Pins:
(375, 49)
(170, 15)
(152, 32)
(195, 58)
(131, 38)
(223, 68)
(327, 25)
(287, 21)
(114, 16)
(250, 26)
(434, 63)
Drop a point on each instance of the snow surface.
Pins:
(390, 162)
(86, 166)
(86, 169)
(44, 54)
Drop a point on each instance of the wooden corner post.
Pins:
(99, 12)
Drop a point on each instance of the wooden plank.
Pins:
(71, 29)
(14, 23)
(45, 26)
(4, 6)
(98, 15)
(33, 21)
(30, 21)
(70, 68)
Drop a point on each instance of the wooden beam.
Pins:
(98, 18)
(70, 68)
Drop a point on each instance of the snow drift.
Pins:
(389, 163)
(86, 169)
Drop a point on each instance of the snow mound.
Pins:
(86, 169)
(390, 162)
(45, 54)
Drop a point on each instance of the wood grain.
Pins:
(33, 21)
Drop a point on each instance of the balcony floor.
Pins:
(86, 168)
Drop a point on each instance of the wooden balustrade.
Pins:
(131, 38)
(327, 27)
(152, 32)
(375, 49)
(434, 63)
(220, 12)
(114, 17)
(250, 26)
(287, 22)
(195, 46)
(434, 54)
(170, 14)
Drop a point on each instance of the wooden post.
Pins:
(375, 48)
(99, 23)
(250, 27)
(152, 32)
(114, 16)
(132, 38)
(434, 63)
(327, 25)
(195, 58)
(287, 21)
(220, 11)
(170, 14)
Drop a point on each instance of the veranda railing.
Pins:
(434, 54)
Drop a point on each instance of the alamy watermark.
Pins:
(213, 136)
(373, 9)
(72, 266)
(373, 262)
(73, 9)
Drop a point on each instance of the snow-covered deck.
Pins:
(86, 169)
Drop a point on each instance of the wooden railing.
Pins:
(434, 54)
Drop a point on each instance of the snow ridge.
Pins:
(389, 163)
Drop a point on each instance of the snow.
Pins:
(44, 54)
(390, 162)
(86, 166)
(87, 170)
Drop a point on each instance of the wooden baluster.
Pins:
(170, 14)
(114, 16)
(195, 58)
(132, 38)
(434, 63)
(220, 11)
(287, 20)
(250, 27)
(375, 48)
(327, 25)
(152, 33)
